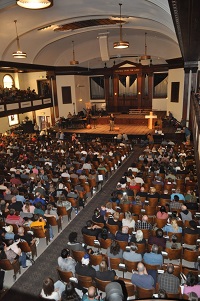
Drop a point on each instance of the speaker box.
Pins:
(103, 43)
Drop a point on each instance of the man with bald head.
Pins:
(185, 214)
(91, 294)
(140, 277)
(24, 237)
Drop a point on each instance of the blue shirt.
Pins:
(169, 228)
(36, 200)
(152, 258)
(180, 195)
(144, 281)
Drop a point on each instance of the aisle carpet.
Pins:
(29, 285)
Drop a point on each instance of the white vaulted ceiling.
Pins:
(49, 47)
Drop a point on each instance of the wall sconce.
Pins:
(139, 92)
(80, 99)
(115, 93)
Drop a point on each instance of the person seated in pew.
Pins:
(114, 220)
(83, 268)
(122, 235)
(97, 217)
(172, 243)
(73, 244)
(169, 282)
(52, 290)
(91, 229)
(66, 262)
(192, 229)
(185, 214)
(132, 255)
(191, 285)
(114, 251)
(172, 227)
(162, 213)
(104, 274)
(159, 240)
(141, 278)
(138, 237)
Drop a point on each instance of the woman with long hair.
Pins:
(51, 290)
(128, 221)
(191, 285)
(105, 274)
(69, 293)
(28, 207)
(172, 227)
(138, 238)
(114, 251)
(50, 211)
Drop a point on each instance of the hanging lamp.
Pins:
(73, 62)
(120, 44)
(18, 54)
(35, 4)
(145, 59)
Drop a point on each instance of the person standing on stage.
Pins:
(112, 118)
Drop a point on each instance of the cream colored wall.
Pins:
(65, 81)
(82, 92)
(25, 80)
(176, 75)
(27, 114)
(4, 125)
(159, 104)
(30, 80)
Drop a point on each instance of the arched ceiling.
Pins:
(54, 48)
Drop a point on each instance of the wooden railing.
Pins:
(16, 107)
(139, 111)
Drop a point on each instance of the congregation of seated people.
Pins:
(154, 202)
(145, 225)
(40, 177)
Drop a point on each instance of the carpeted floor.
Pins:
(29, 285)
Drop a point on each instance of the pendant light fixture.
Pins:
(121, 44)
(73, 62)
(18, 54)
(145, 59)
(35, 4)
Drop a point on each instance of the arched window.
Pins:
(8, 81)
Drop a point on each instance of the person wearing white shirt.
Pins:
(128, 221)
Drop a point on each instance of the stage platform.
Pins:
(132, 125)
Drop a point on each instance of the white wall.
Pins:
(30, 80)
(4, 125)
(176, 75)
(82, 91)
(159, 104)
(25, 80)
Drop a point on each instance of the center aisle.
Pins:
(29, 285)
